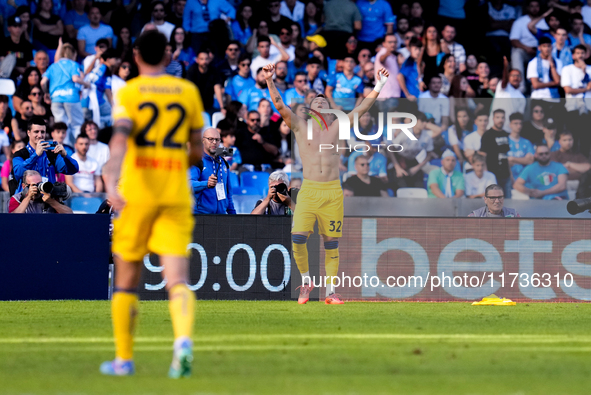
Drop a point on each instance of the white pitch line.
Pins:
(168, 348)
(475, 338)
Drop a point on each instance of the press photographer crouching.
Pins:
(48, 158)
(278, 200)
(38, 197)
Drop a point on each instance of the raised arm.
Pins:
(382, 78)
(283, 109)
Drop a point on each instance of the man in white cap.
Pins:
(446, 182)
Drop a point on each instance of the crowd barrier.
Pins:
(46, 257)
(443, 259)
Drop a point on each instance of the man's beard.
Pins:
(544, 162)
(263, 84)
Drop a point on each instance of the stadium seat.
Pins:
(206, 120)
(412, 193)
(234, 181)
(248, 191)
(255, 179)
(296, 174)
(88, 205)
(515, 194)
(216, 117)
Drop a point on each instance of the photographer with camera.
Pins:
(278, 200)
(48, 158)
(36, 197)
(211, 179)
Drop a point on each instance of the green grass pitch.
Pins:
(284, 348)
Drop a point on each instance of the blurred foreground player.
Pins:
(321, 196)
(155, 116)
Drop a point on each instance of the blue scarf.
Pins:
(565, 56)
(553, 91)
(43, 166)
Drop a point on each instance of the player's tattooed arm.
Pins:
(284, 110)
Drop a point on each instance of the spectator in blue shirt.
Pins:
(89, 34)
(242, 81)
(76, 18)
(36, 156)
(521, 151)
(62, 79)
(408, 76)
(345, 90)
(576, 35)
(252, 96)
(241, 26)
(181, 50)
(211, 181)
(377, 20)
(297, 94)
(312, 22)
(544, 179)
(377, 161)
(197, 16)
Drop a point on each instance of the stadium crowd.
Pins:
(501, 89)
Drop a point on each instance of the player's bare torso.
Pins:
(318, 164)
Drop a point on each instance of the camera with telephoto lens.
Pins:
(577, 206)
(224, 151)
(58, 191)
(281, 189)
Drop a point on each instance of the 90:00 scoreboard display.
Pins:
(233, 257)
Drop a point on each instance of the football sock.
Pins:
(300, 252)
(124, 311)
(182, 310)
(331, 264)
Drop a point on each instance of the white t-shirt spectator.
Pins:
(475, 185)
(166, 28)
(298, 11)
(509, 99)
(259, 62)
(437, 107)
(506, 13)
(392, 88)
(519, 31)
(99, 152)
(532, 72)
(472, 141)
(290, 51)
(573, 76)
(84, 179)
